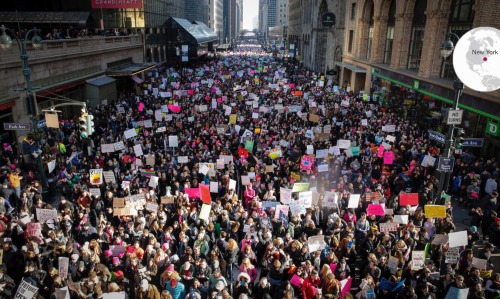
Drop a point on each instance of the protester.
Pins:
(245, 176)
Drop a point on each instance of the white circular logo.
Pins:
(476, 59)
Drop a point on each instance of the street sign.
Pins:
(454, 117)
(433, 135)
(473, 142)
(446, 164)
(493, 128)
(16, 127)
(328, 19)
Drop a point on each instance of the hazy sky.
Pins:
(250, 11)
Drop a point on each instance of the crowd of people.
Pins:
(246, 176)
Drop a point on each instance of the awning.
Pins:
(100, 81)
(76, 18)
(196, 32)
(350, 67)
(130, 70)
(136, 79)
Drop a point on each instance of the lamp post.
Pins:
(447, 48)
(36, 42)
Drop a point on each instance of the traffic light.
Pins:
(83, 126)
(90, 124)
(459, 138)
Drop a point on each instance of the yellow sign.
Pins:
(435, 211)
(232, 119)
(299, 187)
(295, 176)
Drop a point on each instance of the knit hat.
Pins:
(108, 253)
(170, 268)
(116, 260)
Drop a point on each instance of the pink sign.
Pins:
(116, 4)
(141, 106)
(333, 267)
(192, 192)
(174, 109)
(292, 85)
(213, 90)
(375, 209)
(388, 158)
(190, 92)
(380, 153)
(296, 280)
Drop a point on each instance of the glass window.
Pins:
(370, 41)
(388, 44)
(416, 43)
(353, 11)
(351, 37)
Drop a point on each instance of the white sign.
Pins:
(343, 143)
(25, 291)
(306, 197)
(330, 199)
(316, 243)
(95, 191)
(130, 133)
(214, 187)
(457, 239)
(285, 195)
(63, 263)
(454, 117)
(43, 215)
(138, 150)
(173, 141)
(182, 159)
(418, 259)
(354, 201)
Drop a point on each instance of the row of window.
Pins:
(460, 21)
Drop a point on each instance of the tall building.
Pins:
(316, 46)
(236, 17)
(197, 10)
(395, 45)
(216, 18)
(227, 21)
(263, 21)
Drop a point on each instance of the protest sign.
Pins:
(457, 239)
(393, 264)
(481, 264)
(343, 144)
(173, 141)
(214, 187)
(130, 133)
(95, 192)
(297, 207)
(118, 202)
(107, 148)
(401, 219)
(114, 295)
(182, 159)
(95, 176)
(298, 187)
(330, 199)
(455, 293)
(316, 243)
(63, 263)
(375, 209)
(306, 197)
(354, 201)
(435, 211)
(285, 195)
(388, 227)
(205, 212)
(43, 215)
(151, 207)
(418, 259)
(452, 255)
(34, 229)
(167, 199)
(153, 181)
(109, 176)
(408, 199)
(26, 290)
(388, 158)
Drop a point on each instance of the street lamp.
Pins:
(446, 49)
(36, 42)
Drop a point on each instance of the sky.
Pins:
(250, 11)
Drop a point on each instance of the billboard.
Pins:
(116, 3)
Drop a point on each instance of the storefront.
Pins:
(428, 103)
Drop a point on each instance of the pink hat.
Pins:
(121, 254)
(116, 260)
(108, 253)
(164, 246)
(170, 268)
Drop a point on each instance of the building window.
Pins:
(370, 41)
(416, 43)
(388, 45)
(461, 19)
(417, 35)
(353, 11)
(351, 37)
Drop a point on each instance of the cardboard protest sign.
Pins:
(167, 199)
(151, 207)
(109, 176)
(118, 202)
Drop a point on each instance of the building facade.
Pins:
(197, 10)
(396, 44)
(216, 18)
(317, 47)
